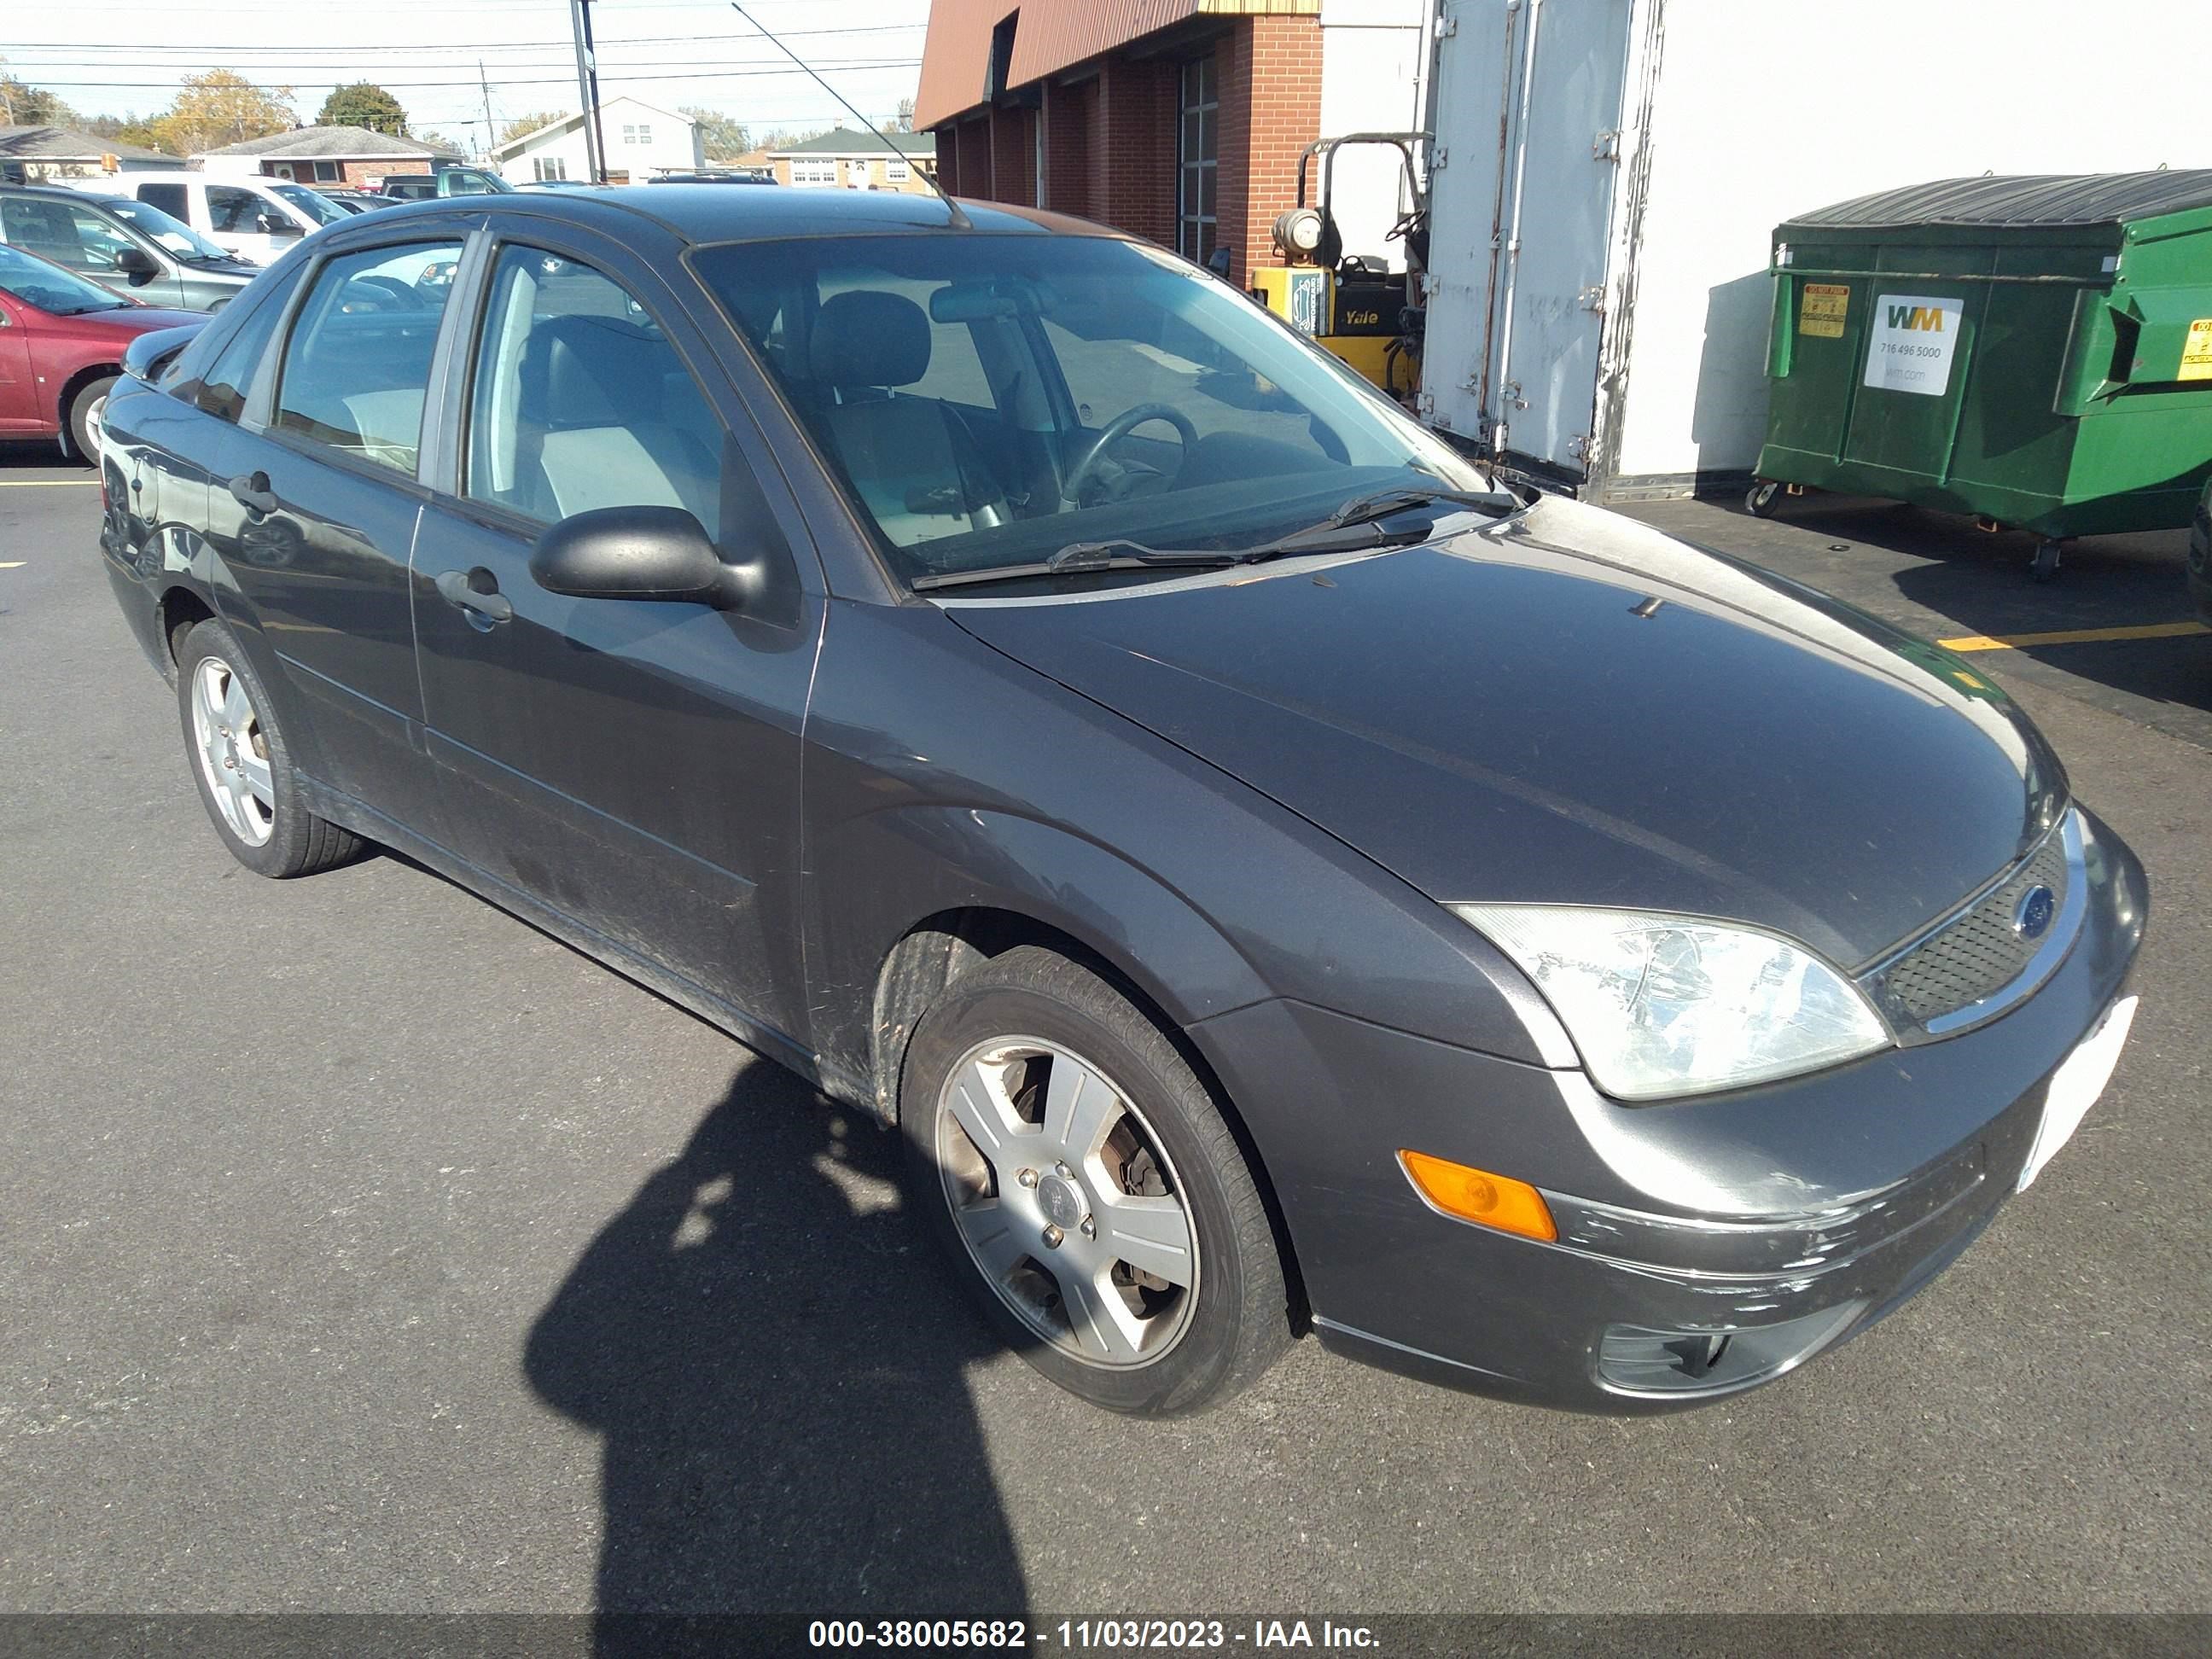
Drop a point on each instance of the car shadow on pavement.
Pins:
(1979, 582)
(775, 1360)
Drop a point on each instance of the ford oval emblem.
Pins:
(2030, 917)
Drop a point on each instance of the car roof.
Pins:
(62, 193)
(715, 213)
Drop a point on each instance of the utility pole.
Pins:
(491, 133)
(587, 90)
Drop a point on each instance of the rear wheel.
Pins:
(242, 765)
(1087, 1189)
(84, 412)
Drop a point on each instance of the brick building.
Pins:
(1179, 120)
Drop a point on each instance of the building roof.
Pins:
(1048, 36)
(70, 144)
(843, 141)
(570, 122)
(334, 143)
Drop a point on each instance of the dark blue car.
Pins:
(1277, 880)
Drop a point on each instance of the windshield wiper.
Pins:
(1083, 558)
(1381, 503)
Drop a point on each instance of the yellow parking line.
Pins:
(2074, 636)
(13, 564)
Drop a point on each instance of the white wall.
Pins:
(674, 144)
(1769, 109)
(1370, 82)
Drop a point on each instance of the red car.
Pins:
(62, 340)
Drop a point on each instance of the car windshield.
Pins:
(992, 400)
(178, 238)
(311, 204)
(50, 288)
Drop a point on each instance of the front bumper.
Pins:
(1786, 1218)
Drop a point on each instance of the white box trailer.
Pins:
(1606, 175)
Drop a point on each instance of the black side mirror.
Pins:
(641, 553)
(135, 262)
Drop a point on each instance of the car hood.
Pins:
(1569, 706)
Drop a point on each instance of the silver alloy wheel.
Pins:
(1067, 1202)
(234, 751)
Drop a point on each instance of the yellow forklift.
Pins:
(1352, 304)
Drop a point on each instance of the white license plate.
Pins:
(2076, 1084)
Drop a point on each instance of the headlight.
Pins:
(1663, 1005)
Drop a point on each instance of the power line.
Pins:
(383, 47)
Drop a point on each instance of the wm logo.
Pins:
(1927, 318)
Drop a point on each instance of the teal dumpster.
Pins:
(2035, 352)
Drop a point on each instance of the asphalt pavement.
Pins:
(362, 1248)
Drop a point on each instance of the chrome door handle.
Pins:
(494, 606)
(253, 493)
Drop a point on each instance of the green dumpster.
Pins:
(2036, 352)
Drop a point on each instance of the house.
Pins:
(326, 156)
(859, 160)
(641, 139)
(29, 154)
(1179, 120)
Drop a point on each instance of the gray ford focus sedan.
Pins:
(1276, 881)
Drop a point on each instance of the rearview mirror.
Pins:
(134, 262)
(638, 553)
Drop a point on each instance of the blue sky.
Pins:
(107, 57)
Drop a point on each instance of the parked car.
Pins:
(745, 177)
(1272, 877)
(257, 220)
(559, 184)
(126, 247)
(355, 200)
(62, 343)
(446, 181)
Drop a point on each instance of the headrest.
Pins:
(866, 338)
(597, 371)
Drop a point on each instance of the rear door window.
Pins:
(357, 366)
(172, 199)
(223, 389)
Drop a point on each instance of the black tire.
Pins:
(1763, 501)
(299, 843)
(2045, 566)
(1237, 1322)
(89, 399)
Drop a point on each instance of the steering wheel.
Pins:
(1120, 427)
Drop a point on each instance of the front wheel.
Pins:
(242, 765)
(1088, 1190)
(1766, 498)
(84, 413)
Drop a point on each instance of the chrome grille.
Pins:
(1981, 951)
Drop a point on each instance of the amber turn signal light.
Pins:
(1476, 1195)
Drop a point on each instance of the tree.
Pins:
(222, 107)
(25, 105)
(522, 124)
(720, 137)
(903, 121)
(364, 104)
